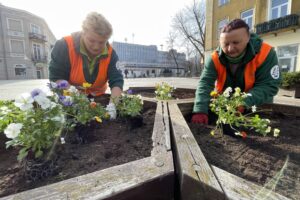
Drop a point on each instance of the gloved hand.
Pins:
(111, 109)
(241, 109)
(200, 118)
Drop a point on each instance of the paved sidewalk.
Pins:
(11, 88)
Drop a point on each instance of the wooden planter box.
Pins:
(199, 179)
(147, 178)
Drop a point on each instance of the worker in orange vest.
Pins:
(87, 57)
(242, 60)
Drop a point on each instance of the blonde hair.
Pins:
(95, 22)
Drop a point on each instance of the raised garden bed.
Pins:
(267, 162)
(114, 160)
(179, 93)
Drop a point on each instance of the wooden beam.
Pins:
(196, 178)
(128, 181)
(161, 129)
(238, 188)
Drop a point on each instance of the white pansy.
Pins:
(227, 92)
(268, 130)
(62, 140)
(53, 85)
(43, 101)
(169, 95)
(53, 105)
(253, 108)
(237, 133)
(4, 110)
(24, 102)
(59, 118)
(276, 132)
(73, 89)
(13, 130)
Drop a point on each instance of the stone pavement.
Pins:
(9, 89)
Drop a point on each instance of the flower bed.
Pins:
(178, 93)
(105, 145)
(271, 162)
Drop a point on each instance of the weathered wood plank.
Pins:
(129, 181)
(238, 188)
(282, 108)
(167, 125)
(161, 130)
(197, 180)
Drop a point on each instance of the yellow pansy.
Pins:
(66, 93)
(98, 119)
(214, 93)
(86, 85)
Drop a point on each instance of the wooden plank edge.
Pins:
(196, 178)
(239, 188)
(104, 183)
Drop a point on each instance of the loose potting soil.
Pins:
(99, 146)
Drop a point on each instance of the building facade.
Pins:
(25, 44)
(275, 21)
(137, 60)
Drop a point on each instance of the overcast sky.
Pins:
(148, 20)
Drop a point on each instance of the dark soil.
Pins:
(179, 93)
(105, 145)
(257, 158)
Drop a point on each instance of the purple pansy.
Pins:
(63, 85)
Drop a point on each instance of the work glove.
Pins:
(111, 109)
(240, 110)
(200, 118)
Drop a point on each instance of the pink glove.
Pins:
(200, 118)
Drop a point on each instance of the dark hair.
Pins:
(235, 24)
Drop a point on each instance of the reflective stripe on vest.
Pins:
(77, 76)
(250, 69)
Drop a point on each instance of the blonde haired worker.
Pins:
(87, 57)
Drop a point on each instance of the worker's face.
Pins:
(234, 42)
(94, 43)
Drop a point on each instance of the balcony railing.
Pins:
(42, 59)
(277, 24)
(37, 36)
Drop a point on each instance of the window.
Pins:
(287, 57)
(35, 29)
(20, 70)
(37, 51)
(15, 25)
(221, 24)
(223, 2)
(17, 47)
(247, 16)
(278, 8)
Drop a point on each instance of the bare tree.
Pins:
(172, 52)
(189, 27)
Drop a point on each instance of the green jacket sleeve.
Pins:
(205, 86)
(115, 76)
(59, 67)
(267, 81)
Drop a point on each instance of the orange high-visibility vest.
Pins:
(77, 76)
(250, 69)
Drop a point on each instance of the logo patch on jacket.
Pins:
(275, 72)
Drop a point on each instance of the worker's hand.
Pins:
(200, 118)
(241, 109)
(111, 109)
